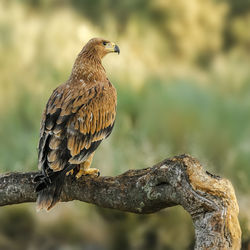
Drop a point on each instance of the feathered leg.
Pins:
(86, 170)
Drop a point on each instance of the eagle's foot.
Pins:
(70, 172)
(91, 171)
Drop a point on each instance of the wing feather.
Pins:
(74, 123)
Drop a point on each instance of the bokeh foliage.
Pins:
(183, 85)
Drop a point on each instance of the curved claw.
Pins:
(91, 171)
(71, 172)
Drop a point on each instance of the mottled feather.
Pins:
(78, 116)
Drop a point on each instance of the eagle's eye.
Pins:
(104, 43)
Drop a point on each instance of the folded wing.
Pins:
(74, 123)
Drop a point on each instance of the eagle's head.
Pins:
(100, 47)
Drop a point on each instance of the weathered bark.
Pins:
(180, 180)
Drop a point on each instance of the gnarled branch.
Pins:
(180, 180)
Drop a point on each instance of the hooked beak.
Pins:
(116, 49)
(112, 47)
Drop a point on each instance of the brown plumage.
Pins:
(78, 116)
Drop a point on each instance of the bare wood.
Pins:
(181, 180)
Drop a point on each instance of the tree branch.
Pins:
(180, 180)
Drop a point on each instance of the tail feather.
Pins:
(49, 194)
(49, 188)
(44, 200)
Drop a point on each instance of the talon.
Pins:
(79, 174)
(93, 172)
(70, 172)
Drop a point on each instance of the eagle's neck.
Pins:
(88, 68)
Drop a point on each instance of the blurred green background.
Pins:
(183, 82)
